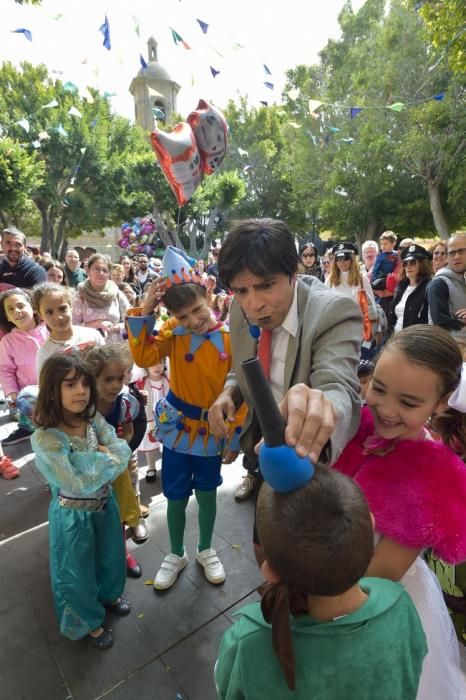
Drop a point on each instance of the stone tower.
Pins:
(153, 89)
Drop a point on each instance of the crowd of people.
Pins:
(364, 356)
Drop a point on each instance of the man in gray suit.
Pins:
(315, 344)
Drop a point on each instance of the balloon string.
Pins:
(178, 223)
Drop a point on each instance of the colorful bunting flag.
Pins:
(396, 106)
(36, 144)
(203, 25)
(348, 140)
(142, 61)
(70, 87)
(354, 111)
(267, 70)
(313, 105)
(242, 152)
(178, 40)
(73, 112)
(60, 130)
(158, 113)
(105, 29)
(214, 72)
(25, 124)
(86, 95)
(263, 102)
(333, 129)
(26, 33)
(136, 25)
(439, 97)
(269, 85)
(83, 150)
(49, 105)
(43, 135)
(109, 94)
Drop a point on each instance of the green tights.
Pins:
(176, 519)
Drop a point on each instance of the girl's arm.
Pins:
(391, 560)
(127, 432)
(8, 369)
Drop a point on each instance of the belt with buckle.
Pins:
(188, 409)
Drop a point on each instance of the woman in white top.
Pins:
(410, 304)
(346, 277)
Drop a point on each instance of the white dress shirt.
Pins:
(279, 347)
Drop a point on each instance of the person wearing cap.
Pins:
(410, 304)
(310, 263)
(447, 291)
(347, 278)
(17, 269)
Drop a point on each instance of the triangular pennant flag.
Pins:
(105, 29)
(60, 130)
(136, 25)
(333, 129)
(49, 105)
(349, 140)
(203, 25)
(314, 104)
(73, 112)
(43, 135)
(94, 122)
(269, 85)
(24, 123)
(26, 33)
(178, 39)
(216, 51)
(70, 87)
(142, 61)
(294, 125)
(396, 106)
(293, 94)
(267, 70)
(242, 152)
(214, 72)
(263, 102)
(158, 113)
(86, 95)
(83, 150)
(36, 144)
(354, 111)
(439, 97)
(109, 94)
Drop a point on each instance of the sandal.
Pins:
(7, 469)
(151, 475)
(103, 641)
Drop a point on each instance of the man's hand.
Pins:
(461, 315)
(221, 413)
(310, 420)
(154, 295)
(229, 456)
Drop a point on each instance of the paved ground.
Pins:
(167, 647)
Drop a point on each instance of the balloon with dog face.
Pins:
(179, 158)
(211, 133)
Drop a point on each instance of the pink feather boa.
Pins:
(416, 490)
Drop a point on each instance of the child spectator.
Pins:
(199, 351)
(18, 351)
(79, 455)
(365, 372)
(53, 304)
(156, 386)
(321, 631)
(385, 261)
(109, 364)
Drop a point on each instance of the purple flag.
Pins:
(354, 111)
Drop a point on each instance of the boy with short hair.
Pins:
(199, 351)
(320, 632)
(386, 259)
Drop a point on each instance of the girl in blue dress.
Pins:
(79, 454)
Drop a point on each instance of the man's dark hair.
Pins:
(319, 538)
(13, 231)
(265, 247)
(181, 295)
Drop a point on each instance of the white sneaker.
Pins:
(213, 568)
(168, 572)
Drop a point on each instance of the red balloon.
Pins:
(179, 159)
(211, 133)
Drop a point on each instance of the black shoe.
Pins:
(17, 435)
(133, 571)
(151, 476)
(139, 532)
(103, 641)
(122, 608)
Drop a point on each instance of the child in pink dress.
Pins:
(156, 386)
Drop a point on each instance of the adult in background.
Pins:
(98, 303)
(212, 269)
(447, 291)
(410, 305)
(55, 272)
(439, 256)
(310, 263)
(369, 252)
(17, 269)
(125, 261)
(143, 276)
(313, 333)
(74, 273)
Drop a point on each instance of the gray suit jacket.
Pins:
(324, 355)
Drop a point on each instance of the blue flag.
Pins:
(142, 61)
(203, 25)
(26, 33)
(267, 69)
(105, 29)
(214, 72)
(269, 85)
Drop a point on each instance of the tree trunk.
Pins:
(64, 248)
(436, 208)
(57, 244)
(208, 232)
(192, 233)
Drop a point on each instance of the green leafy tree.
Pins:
(445, 22)
(20, 174)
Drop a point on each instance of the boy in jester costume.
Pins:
(198, 348)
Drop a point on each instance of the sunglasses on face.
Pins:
(325, 262)
(343, 256)
(440, 254)
(407, 263)
(308, 255)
